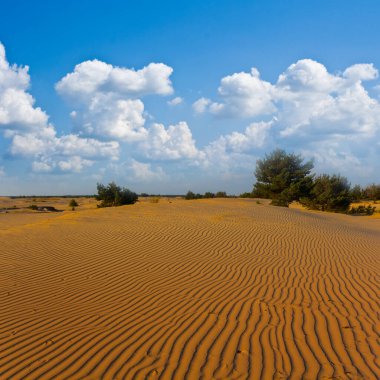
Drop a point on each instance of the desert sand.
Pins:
(206, 289)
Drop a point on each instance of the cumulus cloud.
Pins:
(30, 145)
(172, 143)
(17, 109)
(309, 108)
(95, 76)
(112, 118)
(361, 72)
(330, 117)
(305, 100)
(106, 97)
(201, 105)
(68, 153)
(175, 101)
(33, 137)
(144, 172)
(242, 94)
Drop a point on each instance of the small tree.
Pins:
(282, 177)
(189, 195)
(356, 193)
(221, 194)
(73, 203)
(329, 193)
(372, 192)
(113, 195)
(208, 194)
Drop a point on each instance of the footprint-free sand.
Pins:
(207, 289)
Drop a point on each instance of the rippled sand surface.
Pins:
(207, 289)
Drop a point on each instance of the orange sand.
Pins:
(207, 289)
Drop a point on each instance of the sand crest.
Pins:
(207, 289)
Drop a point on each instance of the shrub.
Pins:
(221, 194)
(329, 193)
(33, 207)
(73, 203)
(189, 195)
(362, 210)
(154, 199)
(113, 195)
(208, 194)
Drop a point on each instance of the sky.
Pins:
(169, 96)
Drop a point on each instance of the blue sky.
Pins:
(168, 96)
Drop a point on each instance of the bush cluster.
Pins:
(220, 194)
(113, 195)
(284, 178)
(362, 210)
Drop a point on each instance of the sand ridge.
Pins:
(207, 289)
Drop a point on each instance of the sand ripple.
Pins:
(219, 289)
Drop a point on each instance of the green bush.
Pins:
(362, 210)
(73, 203)
(113, 195)
(329, 193)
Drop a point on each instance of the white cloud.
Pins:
(329, 116)
(311, 109)
(242, 94)
(306, 100)
(106, 98)
(361, 72)
(201, 105)
(33, 137)
(42, 166)
(175, 101)
(28, 145)
(74, 164)
(144, 172)
(112, 118)
(307, 75)
(175, 142)
(16, 105)
(95, 76)
(2, 171)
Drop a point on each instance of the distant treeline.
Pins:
(146, 195)
(220, 194)
(50, 196)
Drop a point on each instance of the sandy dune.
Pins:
(208, 289)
